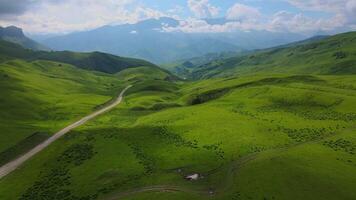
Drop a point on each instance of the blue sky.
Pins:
(297, 16)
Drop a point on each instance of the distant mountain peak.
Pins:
(155, 23)
(11, 31)
(15, 34)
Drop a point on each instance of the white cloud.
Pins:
(345, 10)
(284, 21)
(61, 16)
(73, 15)
(193, 25)
(243, 13)
(320, 5)
(351, 12)
(241, 17)
(202, 8)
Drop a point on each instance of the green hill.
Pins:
(282, 128)
(41, 92)
(93, 61)
(184, 68)
(330, 55)
(246, 137)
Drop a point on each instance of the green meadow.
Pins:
(267, 135)
(43, 97)
(255, 141)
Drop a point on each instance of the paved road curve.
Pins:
(11, 166)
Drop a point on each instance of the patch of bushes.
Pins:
(305, 101)
(325, 114)
(217, 149)
(145, 160)
(328, 115)
(51, 185)
(175, 139)
(340, 55)
(341, 145)
(207, 96)
(257, 149)
(307, 134)
(77, 154)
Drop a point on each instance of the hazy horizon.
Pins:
(194, 16)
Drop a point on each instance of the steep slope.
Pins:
(93, 61)
(15, 34)
(330, 55)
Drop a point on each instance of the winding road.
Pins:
(13, 165)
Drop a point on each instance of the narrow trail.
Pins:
(13, 165)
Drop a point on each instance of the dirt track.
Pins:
(13, 165)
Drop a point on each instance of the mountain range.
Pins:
(147, 40)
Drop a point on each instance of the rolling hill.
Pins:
(246, 138)
(322, 55)
(43, 91)
(271, 124)
(92, 61)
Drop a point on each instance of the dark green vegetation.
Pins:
(261, 136)
(92, 61)
(184, 68)
(22, 147)
(324, 55)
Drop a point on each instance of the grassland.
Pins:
(254, 140)
(329, 56)
(44, 96)
(259, 133)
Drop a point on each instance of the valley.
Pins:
(270, 124)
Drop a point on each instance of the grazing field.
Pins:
(272, 124)
(43, 97)
(253, 137)
(329, 56)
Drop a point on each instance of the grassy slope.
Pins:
(43, 96)
(262, 136)
(184, 68)
(332, 55)
(271, 145)
(92, 61)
